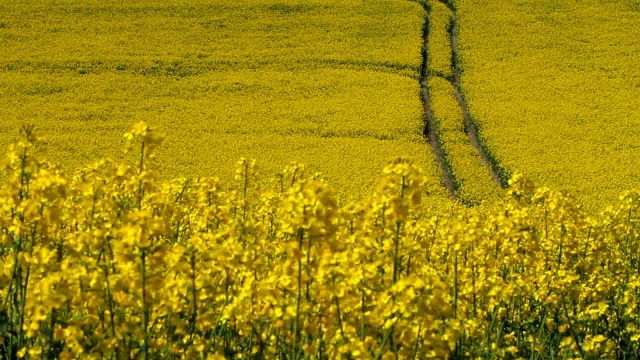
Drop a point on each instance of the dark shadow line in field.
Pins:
(182, 69)
(323, 134)
(431, 126)
(471, 126)
(410, 71)
(442, 75)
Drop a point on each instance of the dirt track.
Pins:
(469, 127)
(430, 127)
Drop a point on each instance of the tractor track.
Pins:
(471, 128)
(431, 131)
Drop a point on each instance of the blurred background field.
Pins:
(331, 84)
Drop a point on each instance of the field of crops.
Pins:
(317, 82)
(306, 179)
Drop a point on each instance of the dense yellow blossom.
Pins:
(113, 260)
(145, 255)
(334, 121)
(554, 85)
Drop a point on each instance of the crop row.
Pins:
(197, 31)
(439, 44)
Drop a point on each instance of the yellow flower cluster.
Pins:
(326, 83)
(554, 85)
(111, 261)
(475, 183)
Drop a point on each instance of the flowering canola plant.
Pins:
(114, 261)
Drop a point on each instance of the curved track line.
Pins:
(470, 127)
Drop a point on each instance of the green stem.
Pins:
(112, 323)
(145, 314)
(396, 245)
(194, 299)
(473, 286)
(141, 167)
(362, 314)
(575, 337)
(335, 298)
(455, 285)
(308, 269)
(296, 325)
(415, 346)
(387, 335)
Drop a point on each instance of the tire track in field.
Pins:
(431, 129)
(471, 127)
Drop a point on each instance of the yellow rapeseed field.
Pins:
(335, 121)
(328, 83)
(555, 86)
(286, 185)
(192, 36)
